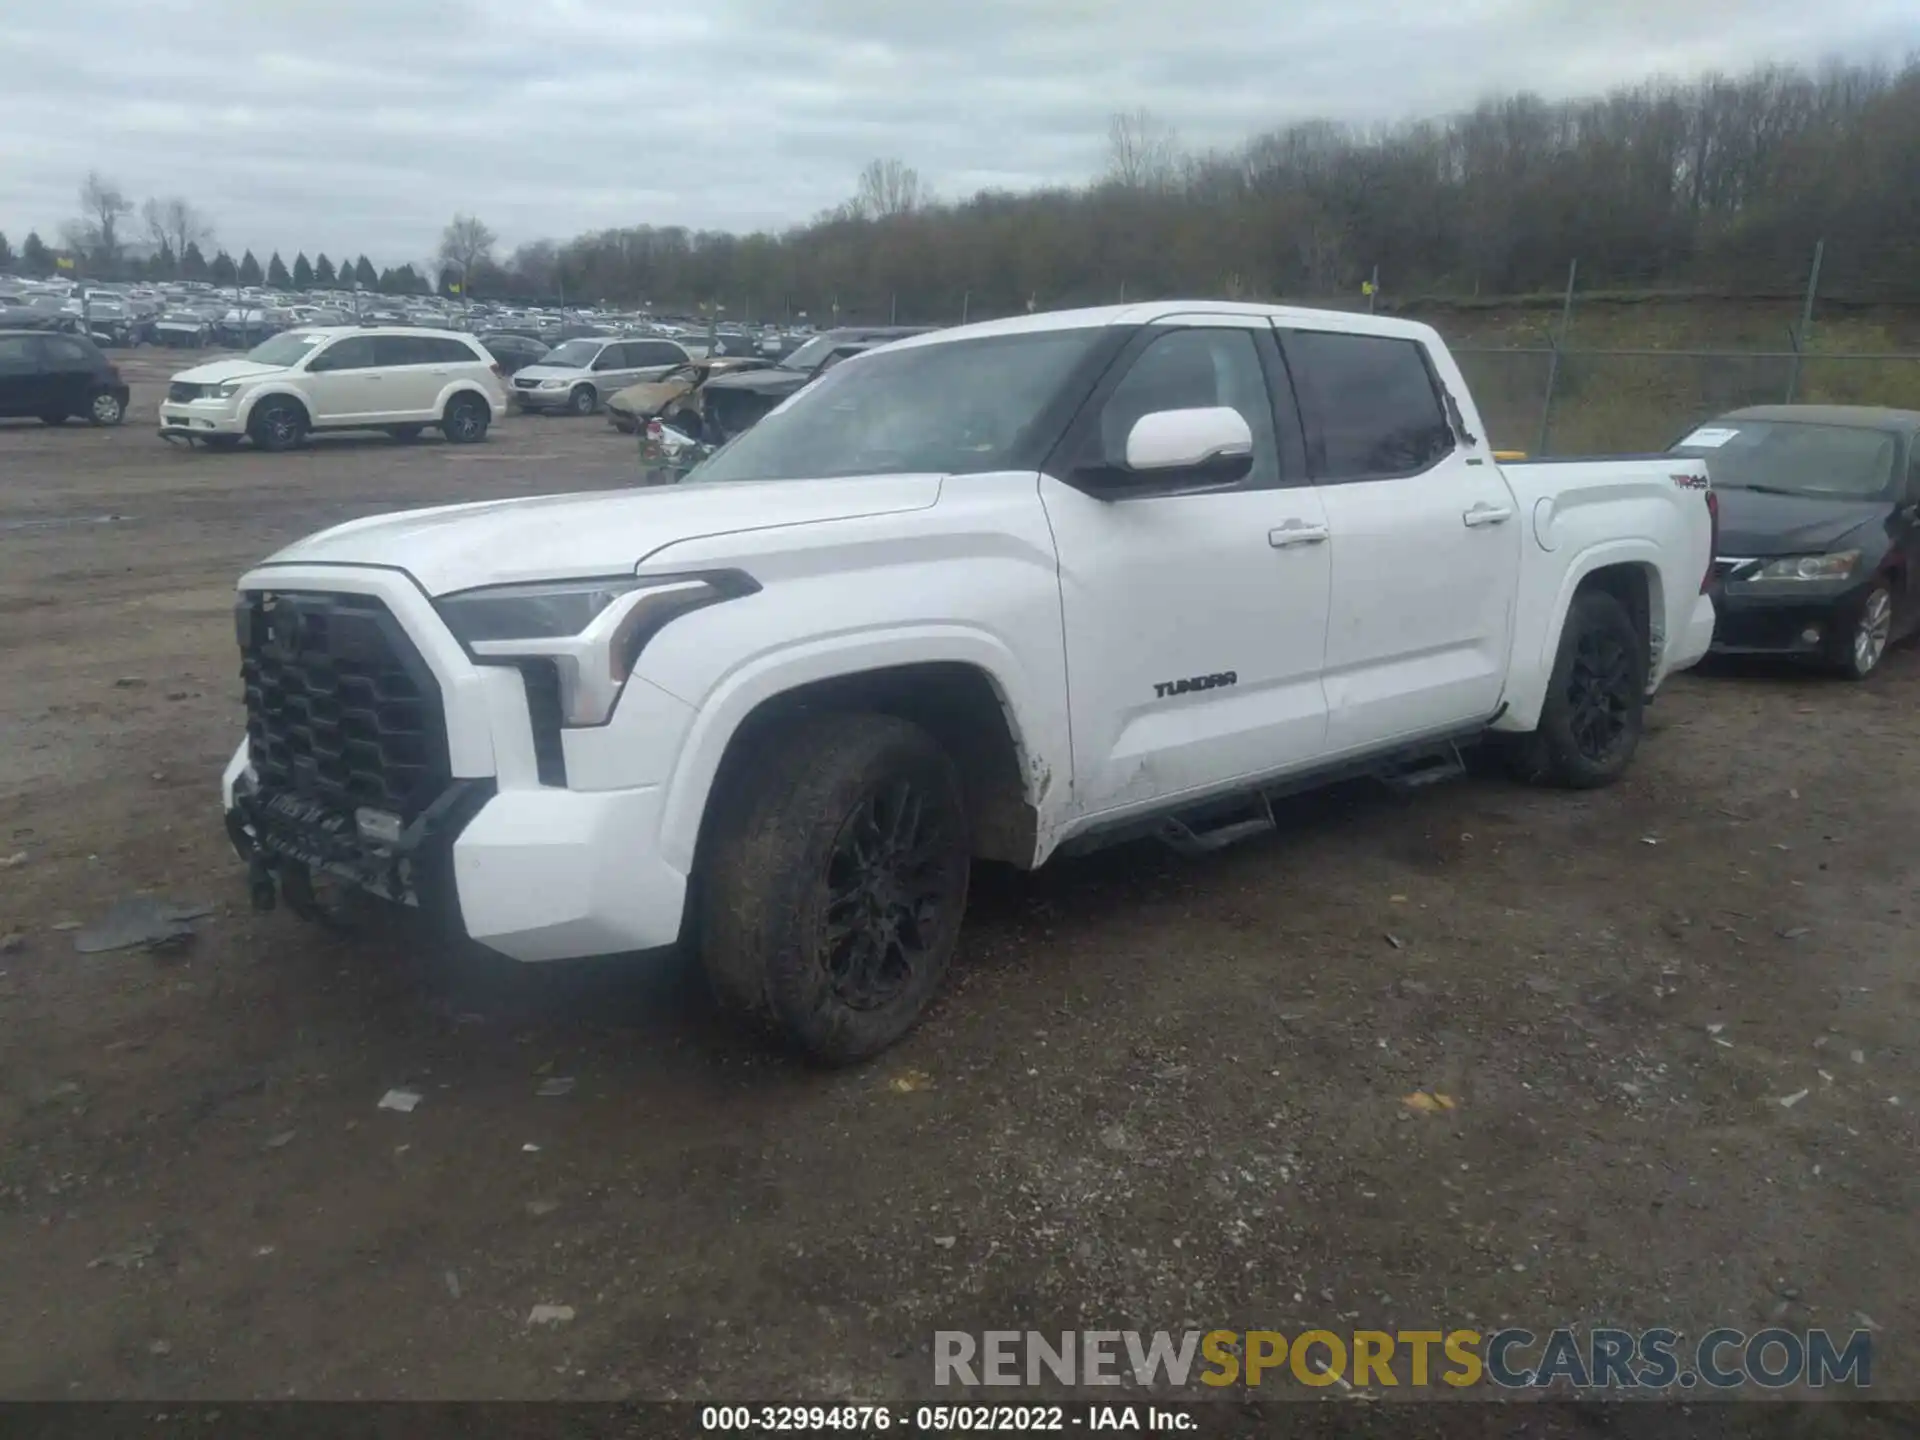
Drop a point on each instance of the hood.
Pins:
(214, 372)
(551, 537)
(773, 380)
(540, 370)
(1754, 524)
(647, 397)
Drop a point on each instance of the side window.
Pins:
(1377, 413)
(17, 355)
(612, 357)
(654, 352)
(1192, 370)
(400, 350)
(448, 351)
(354, 353)
(62, 352)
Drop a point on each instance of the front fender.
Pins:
(1038, 735)
(251, 401)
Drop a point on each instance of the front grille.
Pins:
(181, 393)
(526, 384)
(341, 708)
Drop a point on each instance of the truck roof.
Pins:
(1149, 312)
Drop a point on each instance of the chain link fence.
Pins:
(1614, 401)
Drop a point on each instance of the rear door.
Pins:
(24, 386)
(1425, 542)
(650, 359)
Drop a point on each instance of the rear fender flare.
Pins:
(1535, 646)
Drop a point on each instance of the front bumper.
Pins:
(201, 418)
(542, 399)
(536, 871)
(1804, 621)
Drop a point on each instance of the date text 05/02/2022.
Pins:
(940, 1419)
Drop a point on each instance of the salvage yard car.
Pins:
(338, 378)
(775, 711)
(1819, 554)
(50, 376)
(734, 403)
(576, 375)
(674, 397)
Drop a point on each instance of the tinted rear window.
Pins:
(1379, 414)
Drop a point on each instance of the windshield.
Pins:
(1793, 458)
(288, 349)
(575, 354)
(961, 407)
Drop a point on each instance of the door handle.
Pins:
(1485, 514)
(1296, 532)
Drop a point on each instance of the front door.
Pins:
(23, 382)
(343, 385)
(1425, 542)
(1195, 623)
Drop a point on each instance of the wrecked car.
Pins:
(674, 396)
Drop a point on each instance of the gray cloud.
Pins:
(342, 125)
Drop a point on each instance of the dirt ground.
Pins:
(1161, 1093)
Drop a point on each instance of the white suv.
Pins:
(338, 378)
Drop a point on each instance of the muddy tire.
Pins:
(583, 400)
(278, 425)
(465, 420)
(105, 408)
(833, 883)
(1596, 702)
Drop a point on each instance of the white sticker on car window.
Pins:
(1709, 437)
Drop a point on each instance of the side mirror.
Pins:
(1180, 450)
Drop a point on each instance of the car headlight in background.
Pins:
(1837, 566)
(553, 384)
(590, 631)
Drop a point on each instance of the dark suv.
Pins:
(52, 376)
(732, 403)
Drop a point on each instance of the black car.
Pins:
(1819, 542)
(514, 351)
(51, 375)
(734, 402)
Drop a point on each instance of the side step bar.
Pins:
(1202, 831)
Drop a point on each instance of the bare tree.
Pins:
(888, 187)
(464, 244)
(174, 225)
(1143, 151)
(103, 205)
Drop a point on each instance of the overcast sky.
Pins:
(351, 125)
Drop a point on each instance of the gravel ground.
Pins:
(1161, 1093)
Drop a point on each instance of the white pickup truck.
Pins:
(998, 592)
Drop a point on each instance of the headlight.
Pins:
(591, 631)
(1837, 566)
(553, 384)
(226, 390)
